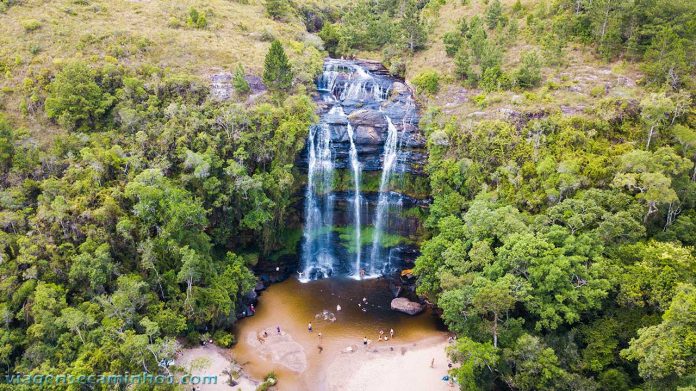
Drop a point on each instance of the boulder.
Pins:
(221, 86)
(368, 135)
(406, 306)
(400, 88)
(368, 126)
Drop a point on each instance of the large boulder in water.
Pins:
(406, 306)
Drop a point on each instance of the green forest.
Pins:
(134, 208)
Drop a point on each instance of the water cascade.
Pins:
(319, 203)
(390, 155)
(355, 165)
(359, 159)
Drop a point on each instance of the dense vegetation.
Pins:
(562, 253)
(133, 206)
(140, 223)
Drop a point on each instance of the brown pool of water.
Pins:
(292, 305)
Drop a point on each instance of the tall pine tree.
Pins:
(277, 73)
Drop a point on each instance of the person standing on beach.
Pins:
(278, 329)
(391, 333)
(309, 327)
(365, 341)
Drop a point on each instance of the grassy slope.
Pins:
(136, 32)
(139, 31)
(582, 72)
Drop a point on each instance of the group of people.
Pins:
(381, 337)
(384, 337)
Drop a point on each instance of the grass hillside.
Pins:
(573, 82)
(38, 36)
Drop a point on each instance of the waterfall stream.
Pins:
(390, 155)
(356, 142)
(355, 165)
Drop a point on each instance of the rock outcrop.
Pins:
(406, 306)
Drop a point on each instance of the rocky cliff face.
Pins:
(366, 189)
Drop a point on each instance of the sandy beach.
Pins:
(303, 360)
(211, 360)
(407, 367)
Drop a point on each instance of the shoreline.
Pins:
(390, 367)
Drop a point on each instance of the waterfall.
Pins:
(355, 166)
(357, 198)
(390, 156)
(317, 254)
(358, 102)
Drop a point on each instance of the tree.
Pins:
(239, 82)
(668, 348)
(452, 41)
(277, 9)
(493, 14)
(686, 137)
(496, 298)
(655, 270)
(414, 33)
(195, 268)
(474, 358)
(535, 366)
(277, 73)
(564, 282)
(666, 59)
(75, 99)
(75, 320)
(7, 147)
(462, 65)
(488, 300)
(331, 36)
(529, 73)
(655, 111)
(649, 175)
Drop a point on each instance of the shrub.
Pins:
(331, 37)
(223, 339)
(174, 22)
(269, 381)
(493, 14)
(427, 81)
(277, 9)
(267, 36)
(239, 82)
(529, 73)
(6, 144)
(75, 99)
(31, 25)
(452, 41)
(196, 19)
(397, 67)
(597, 91)
(480, 100)
(490, 79)
(462, 66)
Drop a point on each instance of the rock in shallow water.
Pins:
(406, 306)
